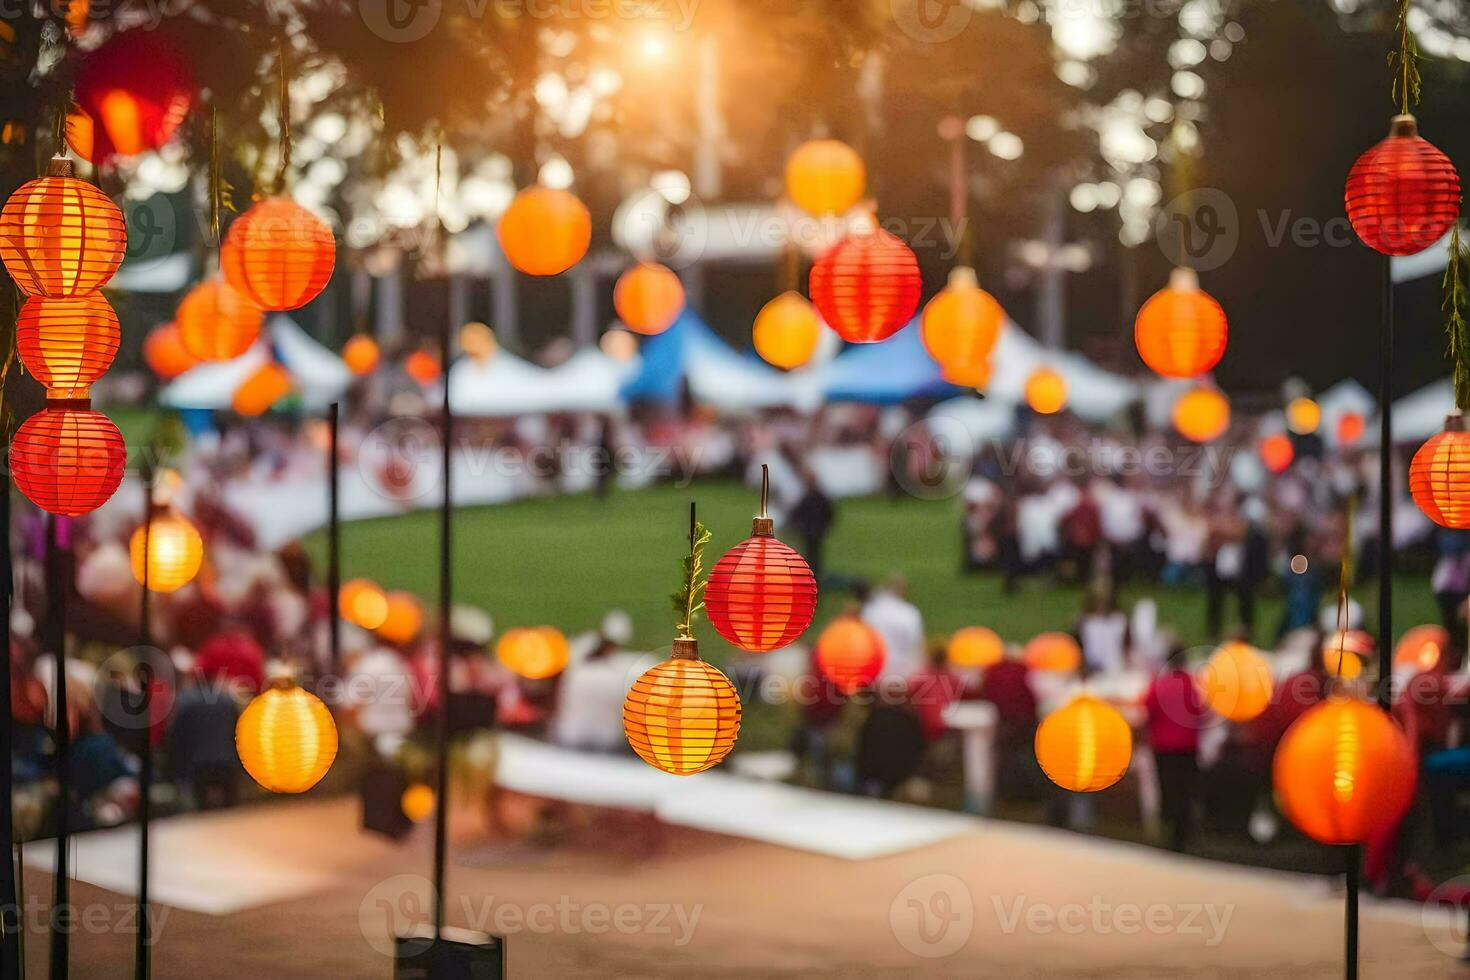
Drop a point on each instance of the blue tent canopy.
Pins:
(665, 359)
(888, 373)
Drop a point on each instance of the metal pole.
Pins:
(57, 579)
(145, 750)
(334, 545)
(1386, 492)
(9, 890)
(441, 808)
(1350, 961)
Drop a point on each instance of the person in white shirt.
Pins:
(900, 624)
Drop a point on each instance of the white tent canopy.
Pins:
(506, 385)
(1420, 415)
(319, 375)
(1093, 394)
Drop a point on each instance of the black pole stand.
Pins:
(9, 890)
(446, 584)
(58, 581)
(334, 546)
(145, 675)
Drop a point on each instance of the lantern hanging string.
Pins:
(1345, 577)
(284, 65)
(219, 188)
(1455, 328)
(1404, 62)
(688, 601)
(765, 490)
(959, 194)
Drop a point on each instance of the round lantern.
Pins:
(68, 461)
(619, 345)
(1344, 772)
(1303, 415)
(648, 298)
(418, 802)
(786, 331)
(545, 231)
(1236, 682)
(67, 343)
(1046, 391)
(217, 322)
(1277, 452)
(682, 715)
(761, 593)
(422, 367)
(850, 653)
(361, 354)
(1403, 194)
(404, 619)
(975, 646)
(362, 603)
(1350, 428)
(1344, 653)
(477, 340)
(60, 236)
(278, 255)
(1439, 476)
(825, 177)
(975, 376)
(1421, 648)
(166, 553)
(866, 287)
(1181, 331)
(1084, 746)
(165, 353)
(286, 738)
(534, 654)
(261, 390)
(137, 89)
(961, 324)
(1057, 652)
(1201, 415)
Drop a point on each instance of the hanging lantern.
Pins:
(761, 593)
(1345, 652)
(961, 324)
(136, 88)
(361, 354)
(1303, 415)
(1439, 476)
(477, 340)
(1277, 452)
(404, 619)
(261, 390)
(1403, 194)
(165, 353)
(1350, 428)
(1421, 648)
(278, 255)
(286, 738)
(67, 459)
(418, 802)
(648, 298)
(866, 287)
(1344, 772)
(60, 236)
(1181, 331)
(1201, 415)
(422, 367)
(534, 654)
(786, 331)
(67, 343)
(1085, 746)
(850, 654)
(81, 135)
(362, 603)
(174, 552)
(682, 716)
(217, 322)
(975, 646)
(1046, 391)
(1236, 682)
(1056, 652)
(975, 376)
(825, 177)
(618, 345)
(545, 231)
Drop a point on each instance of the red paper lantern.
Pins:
(761, 593)
(422, 366)
(648, 298)
(850, 654)
(1403, 194)
(68, 460)
(1439, 476)
(278, 254)
(1181, 331)
(67, 343)
(866, 286)
(165, 353)
(60, 236)
(961, 325)
(1350, 428)
(217, 322)
(1277, 452)
(137, 89)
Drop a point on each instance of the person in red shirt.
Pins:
(1176, 713)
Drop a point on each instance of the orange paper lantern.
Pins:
(1344, 772)
(1303, 415)
(850, 653)
(67, 343)
(362, 603)
(1181, 331)
(866, 287)
(361, 354)
(422, 366)
(165, 353)
(166, 553)
(545, 231)
(1056, 652)
(534, 654)
(68, 460)
(682, 716)
(975, 646)
(975, 376)
(418, 802)
(1236, 682)
(1439, 476)
(261, 390)
(961, 324)
(286, 739)
(1402, 194)
(217, 322)
(1201, 414)
(278, 255)
(404, 619)
(786, 331)
(761, 593)
(825, 177)
(60, 236)
(1085, 746)
(648, 298)
(1277, 452)
(1046, 391)
(1422, 648)
(478, 342)
(1344, 653)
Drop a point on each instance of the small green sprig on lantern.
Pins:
(689, 600)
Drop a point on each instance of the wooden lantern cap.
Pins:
(1403, 127)
(963, 277)
(763, 527)
(1455, 421)
(61, 167)
(685, 648)
(80, 404)
(279, 676)
(1184, 280)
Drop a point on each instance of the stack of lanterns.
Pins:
(960, 326)
(61, 240)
